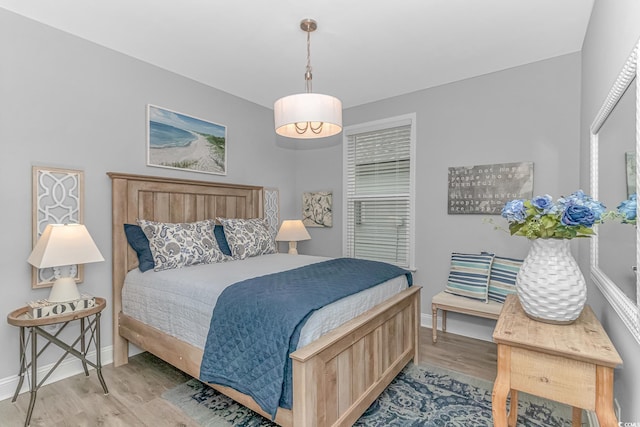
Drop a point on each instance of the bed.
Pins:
(335, 377)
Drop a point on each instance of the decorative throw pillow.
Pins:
(502, 280)
(139, 243)
(181, 244)
(469, 275)
(248, 237)
(218, 231)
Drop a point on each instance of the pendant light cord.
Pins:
(307, 75)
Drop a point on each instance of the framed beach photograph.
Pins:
(178, 141)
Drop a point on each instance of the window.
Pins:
(379, 190)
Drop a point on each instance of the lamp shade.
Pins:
(307, 116)
(64, 244)
(292, 230)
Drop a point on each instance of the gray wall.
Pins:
(613, 30)
(65, 102)
(528, 113)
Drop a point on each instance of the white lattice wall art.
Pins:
(57, 199)
(272, 209)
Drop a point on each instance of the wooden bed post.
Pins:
(118, 268)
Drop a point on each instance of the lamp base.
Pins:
(293, 250)
(64, 289)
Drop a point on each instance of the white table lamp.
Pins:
(64, 245)
(292, 230)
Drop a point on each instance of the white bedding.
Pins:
(180, 302)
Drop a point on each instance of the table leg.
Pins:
(98, 360)
(444, 320)
(576, 418)
(23, 364)
(434, 323)
(604, 397)
(34, 372)
(83, 347)
(501, 387)
(513, 409)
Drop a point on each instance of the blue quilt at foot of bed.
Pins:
(256, 324)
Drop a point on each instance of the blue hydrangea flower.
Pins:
(543, 203)
(514, 211)
(578, 198)
(575, 215)
(567, 218)
(628, 208)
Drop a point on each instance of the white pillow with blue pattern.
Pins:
(469, 275)
(248, 237)
(176, 245)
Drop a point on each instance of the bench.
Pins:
(448, 302)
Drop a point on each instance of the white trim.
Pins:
(460, 327)
(625, 308)
(69, 367)
(402, 120)
(592, 419)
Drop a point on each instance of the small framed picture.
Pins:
(317, 209)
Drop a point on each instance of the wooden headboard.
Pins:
(167, 200)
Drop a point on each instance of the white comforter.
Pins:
(180, 302)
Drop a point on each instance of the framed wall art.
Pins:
(272, 209)
(630, 166)
(484, 189)
(317, 209)
(178, 141)
(57, 198)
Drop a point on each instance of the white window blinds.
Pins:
(379, 189)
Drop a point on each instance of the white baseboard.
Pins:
(479, 328)
(592, 419)
(70, 366)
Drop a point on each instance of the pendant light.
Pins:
(308, 115)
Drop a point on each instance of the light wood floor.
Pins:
(135, 389)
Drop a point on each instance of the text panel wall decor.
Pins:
(484, 189)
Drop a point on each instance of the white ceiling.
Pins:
(363, 50)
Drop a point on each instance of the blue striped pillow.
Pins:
(469, 275)
(502, 280)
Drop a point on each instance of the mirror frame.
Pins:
(627, 309)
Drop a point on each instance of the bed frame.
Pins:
(335, 378)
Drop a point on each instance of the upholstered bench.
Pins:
(448, 302)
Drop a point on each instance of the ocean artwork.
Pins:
(179, 141)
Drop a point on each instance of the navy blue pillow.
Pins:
(140, 244)
(218, 231)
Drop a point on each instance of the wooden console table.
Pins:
(572, 364)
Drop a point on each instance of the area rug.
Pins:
(419, 396)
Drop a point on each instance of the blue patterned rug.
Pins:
(420, 396)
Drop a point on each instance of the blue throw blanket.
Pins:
(256, 323)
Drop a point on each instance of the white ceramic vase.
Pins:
(551, 287)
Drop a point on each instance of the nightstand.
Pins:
(572, 364)
(89, 332)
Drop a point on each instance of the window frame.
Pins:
(372, 126)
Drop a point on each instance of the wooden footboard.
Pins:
(335, 378)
